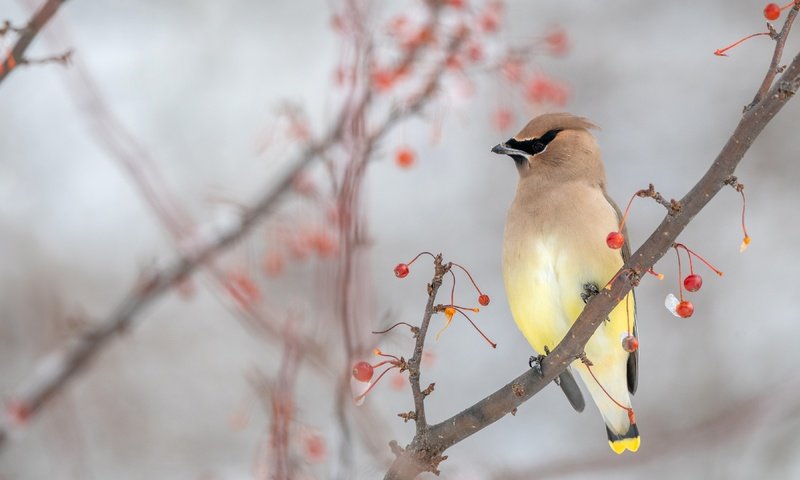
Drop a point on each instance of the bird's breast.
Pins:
(552, 248)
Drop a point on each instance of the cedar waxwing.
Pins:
(555, 257)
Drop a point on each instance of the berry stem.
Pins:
(419, 255)
(680, 272)
(386, 355)
(746, 240)
(471, 309)
(392, 327)
(386, 362)
(453, 288)
(691, 252)
(494, 345)
(659, 276)
(627, 271)
(372, 385)
(470, 277)
(631, 416)
(720, 52)
(628, 312)
(627, 209)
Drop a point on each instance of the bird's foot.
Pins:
(535, 362)
(589, 291)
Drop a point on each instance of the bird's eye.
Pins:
(534, 145)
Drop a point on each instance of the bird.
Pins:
(555, 257)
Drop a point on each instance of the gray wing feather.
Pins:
(570, 388)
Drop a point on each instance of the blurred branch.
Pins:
(27, 34)
(775, 405)
(54, 370)
(424, 452)
(57, 368)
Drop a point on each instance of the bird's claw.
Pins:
(535, 362)
(589, 291)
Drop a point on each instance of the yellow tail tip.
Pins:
(620, 446)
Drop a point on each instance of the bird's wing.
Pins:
(633, 358)
(571, 389)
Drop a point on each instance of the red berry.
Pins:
(772, 11)
(362, 371)
(401, 270)
(615, 240)
(19, 412)
(685, 309)
(315, 448)
(693, 282)
(404, 157)
(630, 344)
(483, 299)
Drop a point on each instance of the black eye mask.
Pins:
(534, 145)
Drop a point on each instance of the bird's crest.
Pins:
(553, 121)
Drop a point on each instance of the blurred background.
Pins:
(209, 101)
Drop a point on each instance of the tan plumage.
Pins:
(555, 245)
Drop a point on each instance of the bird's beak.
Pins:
(502, 149)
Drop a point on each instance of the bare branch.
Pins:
(428, 446)
(55, 370)
(27, 34)
(673, 206)
(773, 69)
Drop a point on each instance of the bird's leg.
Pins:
(535, 362)
(565, 380)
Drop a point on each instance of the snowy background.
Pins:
(197, 83)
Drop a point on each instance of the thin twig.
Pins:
(420, 441)
(673, 206)
(419, 346)
(28, 33)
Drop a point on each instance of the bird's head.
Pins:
(556, 146)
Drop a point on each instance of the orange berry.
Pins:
(362, 371)
(615, 240)
(772, 11)
(685, 309)
(630, 344)
(315, 449)
(404, 157)
(693, 282)
(401, 270)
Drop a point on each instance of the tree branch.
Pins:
(405, 467)
(437, 438)
(28, 33)
(56, 369)
(774, 69)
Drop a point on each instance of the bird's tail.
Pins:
(627, 441)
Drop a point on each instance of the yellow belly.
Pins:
(544, 280)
